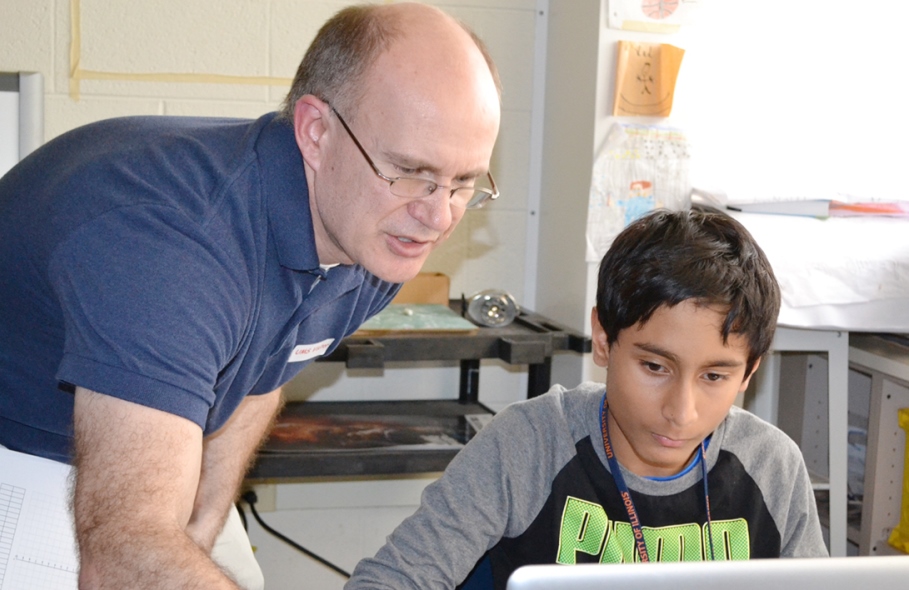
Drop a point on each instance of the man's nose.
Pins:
(433, 211)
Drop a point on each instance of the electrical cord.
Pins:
(242, 514)
(251, 498)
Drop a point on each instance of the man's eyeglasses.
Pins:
(465, 197)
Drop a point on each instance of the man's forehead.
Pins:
(407, 127)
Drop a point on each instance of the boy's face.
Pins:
(670, 382)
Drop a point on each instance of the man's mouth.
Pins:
(407, 240)
(408, 246)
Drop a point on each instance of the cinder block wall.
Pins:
(261, 39)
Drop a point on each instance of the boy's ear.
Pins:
(747, 379)
(310, 116)
(600, 344)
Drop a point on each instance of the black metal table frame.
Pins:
(530, 340)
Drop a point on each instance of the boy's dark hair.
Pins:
(668, 257)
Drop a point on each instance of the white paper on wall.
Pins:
(640, 168)
(652, 16)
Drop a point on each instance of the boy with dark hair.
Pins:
(657, 465)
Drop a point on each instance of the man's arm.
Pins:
(226, 457)
(140, 475)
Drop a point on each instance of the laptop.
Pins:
(822, 573)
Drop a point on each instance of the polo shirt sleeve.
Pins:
(153, 309)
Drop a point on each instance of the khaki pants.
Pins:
(233, 553)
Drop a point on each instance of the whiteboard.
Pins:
(9, 128)
(21, 116)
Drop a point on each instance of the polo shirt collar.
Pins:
(286, 195)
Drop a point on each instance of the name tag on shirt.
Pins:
(304, 352)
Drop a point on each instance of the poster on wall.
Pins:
(640, 168)
(652, 16)
(645, 79)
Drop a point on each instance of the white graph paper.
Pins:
(37, 545)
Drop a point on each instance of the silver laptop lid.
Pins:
(833, 573)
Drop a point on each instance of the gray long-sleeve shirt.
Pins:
(534, 487)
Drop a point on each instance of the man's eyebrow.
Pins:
(409, 161)
(659, 351)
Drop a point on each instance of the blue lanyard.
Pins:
(625, 493)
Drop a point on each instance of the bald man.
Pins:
(164, 277)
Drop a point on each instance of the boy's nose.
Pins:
(679, 407)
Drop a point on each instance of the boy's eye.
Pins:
(715, 377)
(650, 366)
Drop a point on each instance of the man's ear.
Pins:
(310, 116)
(747, 379)
(599, 340)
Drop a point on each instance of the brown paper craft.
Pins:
(645, 79)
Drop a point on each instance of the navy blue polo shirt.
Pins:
(168, 261)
